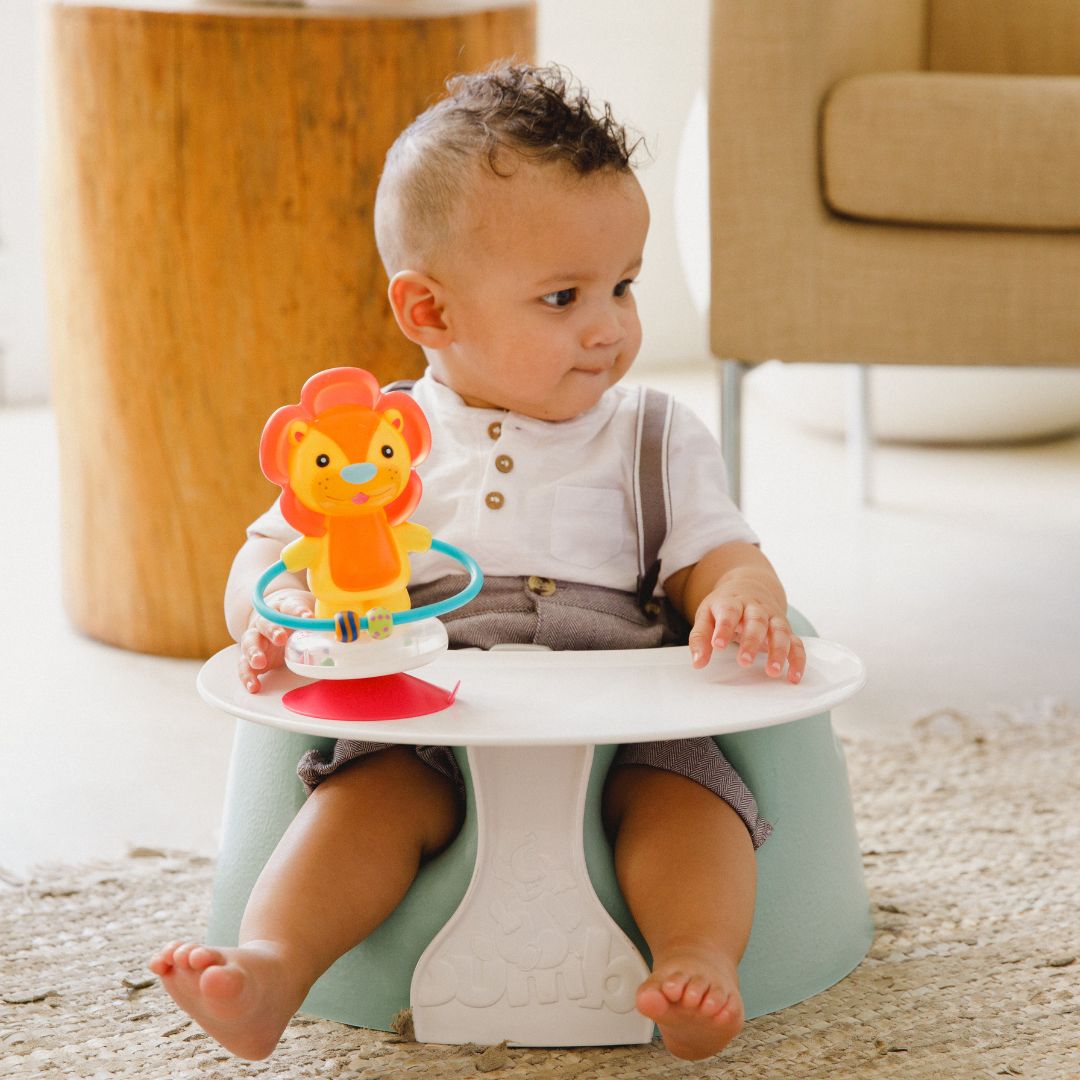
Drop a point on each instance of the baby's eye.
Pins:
(623, 287)
(561, 298)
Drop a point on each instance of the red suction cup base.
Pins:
(384, 697)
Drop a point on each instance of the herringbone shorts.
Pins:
(555, 614)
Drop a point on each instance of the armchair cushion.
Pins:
(959, 150)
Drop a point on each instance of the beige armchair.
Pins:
(893, 182)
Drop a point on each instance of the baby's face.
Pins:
(538, 290)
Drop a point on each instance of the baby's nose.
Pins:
(606, 329)
(358, 474)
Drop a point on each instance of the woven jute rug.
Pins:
(971, 835)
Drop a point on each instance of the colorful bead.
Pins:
(347, 625)
(380, 623)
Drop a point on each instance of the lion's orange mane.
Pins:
(338, 389)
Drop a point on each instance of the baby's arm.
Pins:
(262, 643)
(733, 594)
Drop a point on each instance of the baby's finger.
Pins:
(273, 633)
(701, 637)
(254, 649)
(779, 645)
(728, 616)
(296, 606)
(249, 678)
(796, 660)
(755, 628)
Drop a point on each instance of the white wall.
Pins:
(650, 61)
(647, 59)
(23, 351)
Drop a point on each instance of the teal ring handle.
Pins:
(428, 611)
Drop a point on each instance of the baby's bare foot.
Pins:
(693, 996)
(243, 997)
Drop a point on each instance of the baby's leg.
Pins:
(686, 867)
(341, 868)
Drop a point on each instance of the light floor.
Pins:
(959, 587)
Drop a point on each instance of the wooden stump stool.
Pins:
(212, 175)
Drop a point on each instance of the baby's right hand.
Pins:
(262, 645)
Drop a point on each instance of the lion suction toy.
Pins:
(345, 459)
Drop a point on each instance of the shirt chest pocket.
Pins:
(588, 525)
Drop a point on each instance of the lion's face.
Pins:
(346, 464)
(345, 449)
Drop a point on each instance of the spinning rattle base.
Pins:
(318, 655)
(384, 697)
(364, 680)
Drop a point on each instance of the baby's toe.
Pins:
(674, 986)
(162, 963)
(714, 1002)
(182, 954)
(652, 1002)
(694, 994)
(224, 983)
(202, 957)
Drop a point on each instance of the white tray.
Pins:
(516, 698)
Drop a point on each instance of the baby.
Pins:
(512, 227)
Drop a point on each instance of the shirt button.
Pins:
(504, 463)
(494, 499)
(495, 429)
(542, 586)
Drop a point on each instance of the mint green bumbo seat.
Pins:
(812, 923)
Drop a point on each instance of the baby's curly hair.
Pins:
(491, 119)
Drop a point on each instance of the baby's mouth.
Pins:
(595, 369)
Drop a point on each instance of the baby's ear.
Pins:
(417, 302)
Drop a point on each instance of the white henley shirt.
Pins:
(556, 499)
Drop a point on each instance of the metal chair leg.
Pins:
(860, 436)
(731, 376)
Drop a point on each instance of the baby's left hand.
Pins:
(757, 622)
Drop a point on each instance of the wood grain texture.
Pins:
(210, 245)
